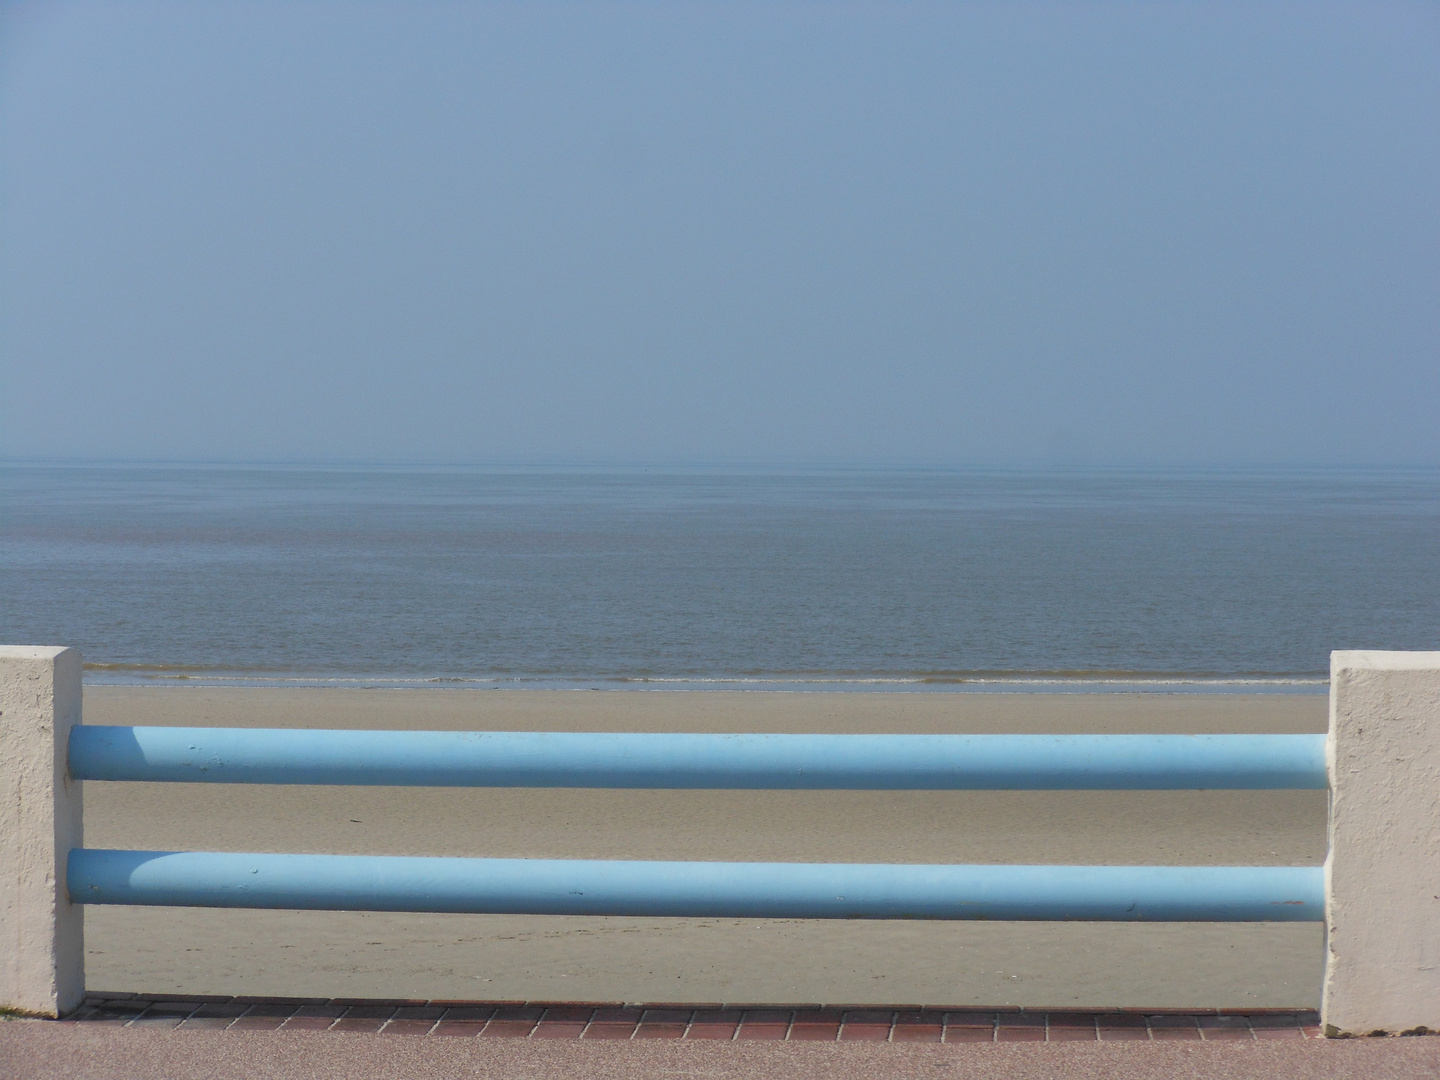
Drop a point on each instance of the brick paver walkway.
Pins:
(555, 1020)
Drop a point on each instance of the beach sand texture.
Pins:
(383, 955)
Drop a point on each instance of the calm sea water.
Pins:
(904, 579)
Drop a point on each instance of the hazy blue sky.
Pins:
(932, 233)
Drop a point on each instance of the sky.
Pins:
(773, 233)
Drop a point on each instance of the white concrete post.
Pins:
(42, 946)
(1382, 878)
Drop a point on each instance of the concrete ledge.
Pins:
(1382, 973)
(42, 950)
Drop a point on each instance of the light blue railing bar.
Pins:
(698, 889)
(608, 760)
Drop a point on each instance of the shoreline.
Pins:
(105, 675)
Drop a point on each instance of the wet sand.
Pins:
(352, 954)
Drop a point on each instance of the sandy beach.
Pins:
(350, 954)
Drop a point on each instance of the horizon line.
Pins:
(736, 465)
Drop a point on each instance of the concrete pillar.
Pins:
(1382, 879)
(42, 946)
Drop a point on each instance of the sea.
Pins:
(1173, 580)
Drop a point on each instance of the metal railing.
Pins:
(697, 889)
(610, 760)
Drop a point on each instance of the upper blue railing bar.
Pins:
(608, 760)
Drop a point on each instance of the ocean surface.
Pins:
(825, 579)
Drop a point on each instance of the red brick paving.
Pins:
(713, 1024)
(660, 1031)
(408, 1027)
(463, 1028)
(599, 1030)
(579, 1020)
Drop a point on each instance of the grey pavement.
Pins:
(32, 1050)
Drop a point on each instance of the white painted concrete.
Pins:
(42, 946)
(1382, 972)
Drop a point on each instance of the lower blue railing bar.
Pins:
(697, 889)
(628, 760)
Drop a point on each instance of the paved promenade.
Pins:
(116, 1035)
